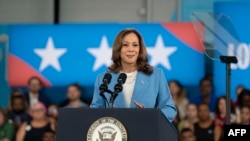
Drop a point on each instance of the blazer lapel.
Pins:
(141, 85)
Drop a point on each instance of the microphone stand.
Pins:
(118, 88)
(228, 60)
(111, 101)
(105, 89)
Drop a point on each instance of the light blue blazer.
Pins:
(150, 90)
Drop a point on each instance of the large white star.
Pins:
(50, 55)
(160, 54)
(102, 54)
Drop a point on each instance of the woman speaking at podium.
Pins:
(144, 86)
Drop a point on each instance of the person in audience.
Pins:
(17, 111)
(53, 111)
(14, 92)
(74, 100)
(243, 100)
(7, 129)
(49, 136)
(34, 93)
(244, 115)
(34, 130)
(221, 113)
(205, 129)
(186, 134)
(191, 117)
(206, 94)
(239, 89)
(179, 96)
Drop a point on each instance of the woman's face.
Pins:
(130, 49)
(174, 89)
(222, 105)
(38, 112)
(192, 111)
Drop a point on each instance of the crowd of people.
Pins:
(32, 116)
(201, 118)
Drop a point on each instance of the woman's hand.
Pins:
(138, 105)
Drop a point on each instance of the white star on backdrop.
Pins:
(50, 55)
(160, 54)
(102, 54)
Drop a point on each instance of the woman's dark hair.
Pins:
(206, 78)
(142, 61)
(243, 93)
(217, 111)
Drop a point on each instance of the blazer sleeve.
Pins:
(97, 100)
(164, 100)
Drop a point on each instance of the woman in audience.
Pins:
(220, 112)
(7, 129)
(40, 123)
(179, 96)
(191, 117)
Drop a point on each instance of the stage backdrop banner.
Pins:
(66, 53)
(240, 72)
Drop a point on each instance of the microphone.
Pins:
(104, 86)
(117, 88)
(121, 80)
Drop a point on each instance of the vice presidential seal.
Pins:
(107, 129)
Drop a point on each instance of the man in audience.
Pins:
(205, 129)
(49, 136)
(74, 100)
(34, 94)
(206, 94)
(187, 134)
(17, 112)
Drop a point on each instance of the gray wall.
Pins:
(41, 11)
(26, 11)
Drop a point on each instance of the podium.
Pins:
(133, 124)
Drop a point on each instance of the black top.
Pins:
(204, 134)
(36, 134)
